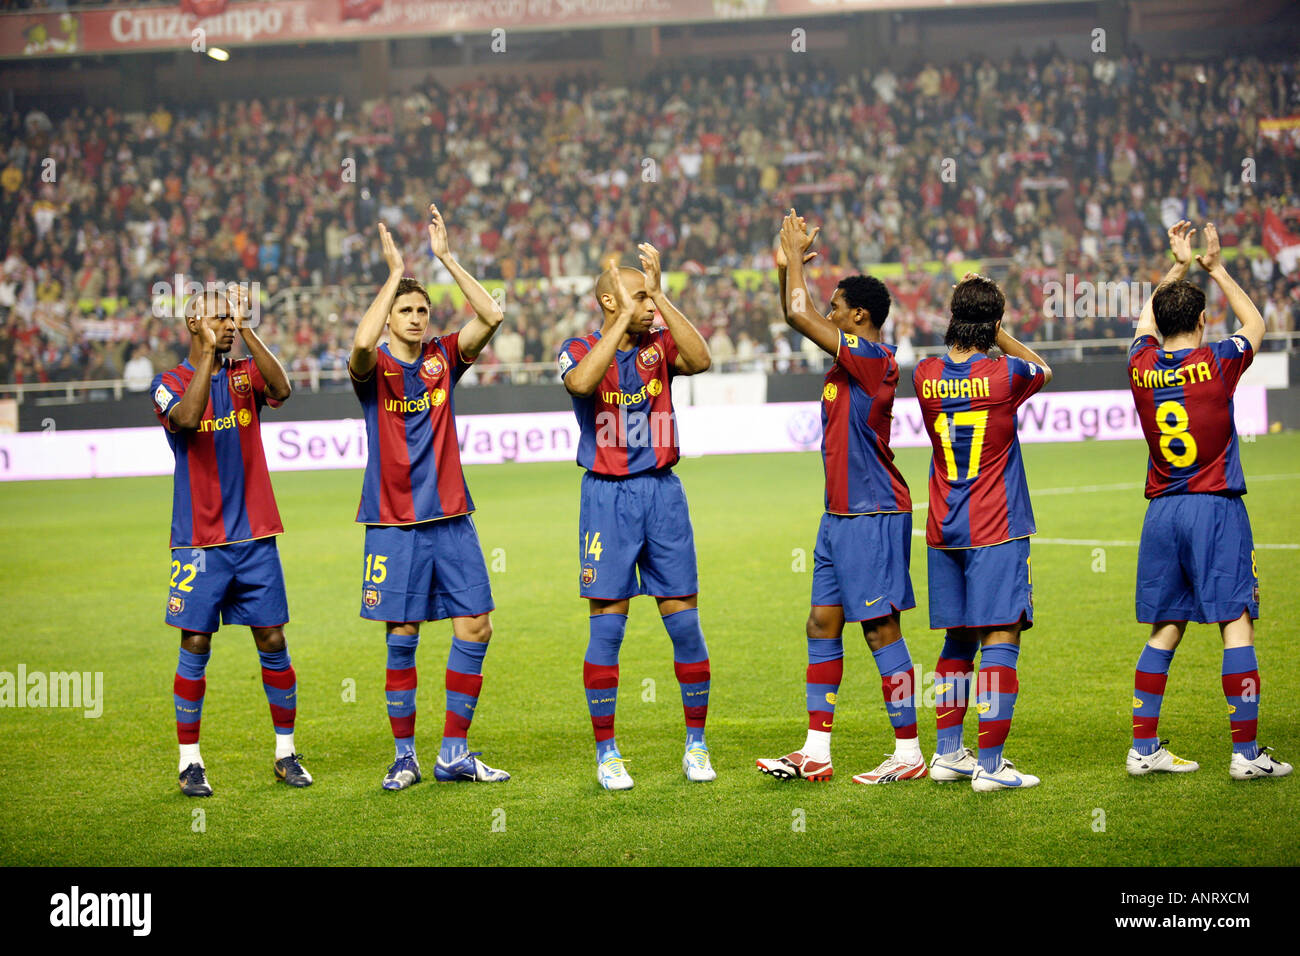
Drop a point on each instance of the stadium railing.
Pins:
(317, 379)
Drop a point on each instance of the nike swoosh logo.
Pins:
(1265, 769)
(824, 724)
(876, 601)
(946, 714)
(392, 373)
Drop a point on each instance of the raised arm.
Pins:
(692, 351)
(1180, 243)
(1009, 344)
(584, 378)
(278, 387)
(1252, 323)
(365, 344)
(188, 412)
(487, 314)
(796, 300)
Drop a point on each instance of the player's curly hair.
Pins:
(1177, 306)
(977, 305)
(410, 284)
(867, 292)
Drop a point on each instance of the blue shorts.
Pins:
(989, 586)
(635, 524)
(1196, 561)
(240, 583)
(424, 572)
(861, 564)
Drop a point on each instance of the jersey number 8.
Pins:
(1175, 430)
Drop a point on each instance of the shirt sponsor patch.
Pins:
(1239, 342)
(162, 398)
(566, 363)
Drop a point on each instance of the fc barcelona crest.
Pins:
(588, 574)
(175, 604)
(241, 381)
(649, 357)
(371, 597)
(434, 366)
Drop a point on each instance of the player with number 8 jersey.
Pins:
(1196, 559)
(978, 529)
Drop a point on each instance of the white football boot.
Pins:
(1162, 761)
(1006, 777)
(611, 773)
(959, 765)
(696, 765)
(1261, 768)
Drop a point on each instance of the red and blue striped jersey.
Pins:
(221, 489)
(628, 424)
(413, 470)
(978, 492)
(857, 413)
(1184, 401)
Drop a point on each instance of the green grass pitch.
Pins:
(85, 568)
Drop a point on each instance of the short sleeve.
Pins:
(669, 345)
(258, 381)
(571, 353)
(1141, 344)
(1234, 355)
(1026, 379)
(167, 391)
(867, 362)
(449, 345)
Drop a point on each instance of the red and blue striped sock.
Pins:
(822, 681)
(952, 675)
(1148, 694)
(1241, 688)
(281, 686)
(188, 689)
(464, 683)
(691, 665)
(995, 700)
(600, 677)
(400, 685)
(898, 684)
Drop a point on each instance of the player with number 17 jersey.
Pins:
(978, 528)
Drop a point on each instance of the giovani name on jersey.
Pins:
(955, 387)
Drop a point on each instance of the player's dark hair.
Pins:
(867, 292)
(409, 284)
(977, 305)
(1177, 306)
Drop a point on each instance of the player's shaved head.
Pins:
(1177, 306)
(633, 279)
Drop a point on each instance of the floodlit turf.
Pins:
(85, 568)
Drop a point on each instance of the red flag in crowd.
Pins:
(359, 9)
(1282, 244)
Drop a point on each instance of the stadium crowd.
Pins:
(1040, 168)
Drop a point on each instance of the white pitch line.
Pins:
(1098, 543)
